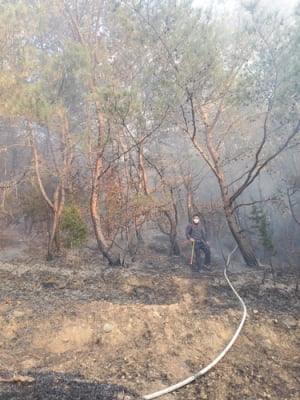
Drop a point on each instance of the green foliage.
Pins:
(73, 228)
(261, 226)
(135, 73)
(144, 201)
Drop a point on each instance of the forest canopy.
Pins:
(135, 114)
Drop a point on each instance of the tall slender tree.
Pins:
(226, 83)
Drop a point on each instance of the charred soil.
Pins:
(75, 328)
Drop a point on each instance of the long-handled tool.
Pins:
(192, 255)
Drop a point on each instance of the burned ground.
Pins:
(75, 328)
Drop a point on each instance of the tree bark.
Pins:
(212, 158)
(94, 198)
(174, 248)
(241, 240)
(96, 218)
(54, 236)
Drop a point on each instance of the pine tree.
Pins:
(261, 225)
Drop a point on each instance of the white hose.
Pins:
(220, 356)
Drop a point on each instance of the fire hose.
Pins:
(204, 370)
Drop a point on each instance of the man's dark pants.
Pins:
(200, 246)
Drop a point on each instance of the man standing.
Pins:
(195, 233)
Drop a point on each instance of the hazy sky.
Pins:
(282, 5)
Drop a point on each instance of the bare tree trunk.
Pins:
(241, 240)
(212, 159)
(171, 232)
(174, 249)
(96, 218)
(51, 204)
(189, 197)
(58, 204)
(94, 198)
(63, 175)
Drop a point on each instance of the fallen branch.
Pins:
(17, 379)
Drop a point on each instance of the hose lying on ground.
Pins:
(220, 356)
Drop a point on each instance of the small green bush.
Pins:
(74, 229)
(261, 226)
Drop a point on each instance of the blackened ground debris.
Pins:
(56, 386)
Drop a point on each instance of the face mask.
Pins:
(196, 221)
